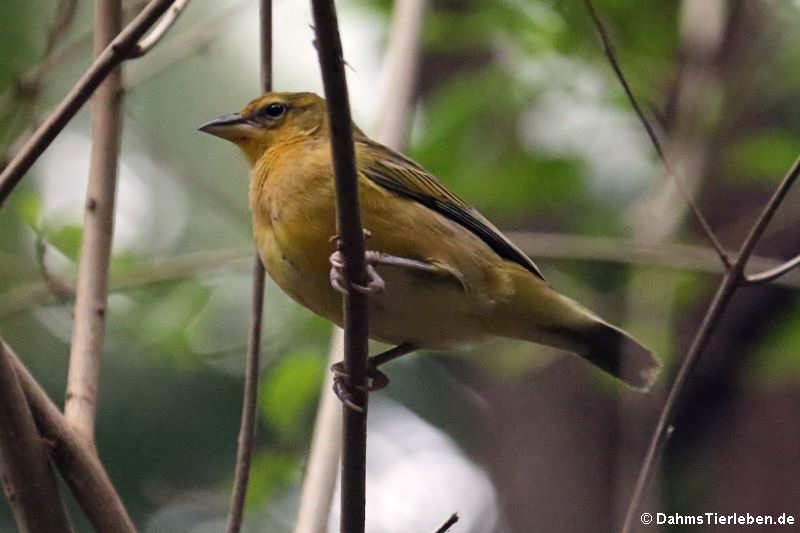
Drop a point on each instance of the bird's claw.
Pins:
(376, 380)
(374, 285)
(338, 240)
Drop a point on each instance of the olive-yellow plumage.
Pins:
(473, 283)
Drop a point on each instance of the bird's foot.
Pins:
(376, 380)
(374, 284)
(338, 240)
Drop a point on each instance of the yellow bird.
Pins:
(441, 274)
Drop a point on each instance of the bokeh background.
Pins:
(518, 111)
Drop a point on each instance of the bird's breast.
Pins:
(293, 220)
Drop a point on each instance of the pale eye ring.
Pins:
(274, 110)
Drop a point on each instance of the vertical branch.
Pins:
(400, 73)
(27, 479)
(90, 303)
(399, 76)
(348, 217)
(247, 429)
(78, 464)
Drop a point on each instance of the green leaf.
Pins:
(29, 204)
(777, 358)
(762, 156)
(67, 239)
(167, 314)
(270, 472)
(290, 390)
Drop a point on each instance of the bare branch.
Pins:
(612, 57)
(28, 481)
(767, 214)
(159, 30)
(190, 42)
(399, 75)
(773, 273)
(354, 456)
(91, 297)
(78, 464)
(113, 55)
(247, 434)
(448, 524)
(247, 430)
(728, 286)
(680, 257)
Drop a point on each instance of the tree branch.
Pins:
(448, 524)
(119, 50)
(399, 75)
(773, 273)
(78, 464)
(159, 30)
(612, 57)
(192, 41)
(356, 330)
(728, 286)
(28, 481)
(674, 256)
(247, 430)
(89, 319)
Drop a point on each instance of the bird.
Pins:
(440, 274)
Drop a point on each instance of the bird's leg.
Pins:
(375, 284)
(376, 379)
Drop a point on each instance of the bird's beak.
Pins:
(231, 127)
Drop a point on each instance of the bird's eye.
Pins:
(274, 110)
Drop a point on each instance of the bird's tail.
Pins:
(539, 314)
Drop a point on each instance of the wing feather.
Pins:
(403, 176)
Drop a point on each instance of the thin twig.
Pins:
(673, 256)
(159, 30)
(91, 296)
(348, 215)
(612, 57)
(728, 286)
(192, 41)
(773, 273)
(28, 480)
(78, 464)
(399, 74)
(247, 430)
(113, 55)
(766, 215)
(448, 524)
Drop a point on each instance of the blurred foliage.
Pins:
(171, 380)
(776, 360)
(289, 392)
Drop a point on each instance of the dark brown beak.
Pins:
(229, 127)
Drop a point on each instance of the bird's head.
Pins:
(271, 119)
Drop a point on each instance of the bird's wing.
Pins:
(403, 176)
